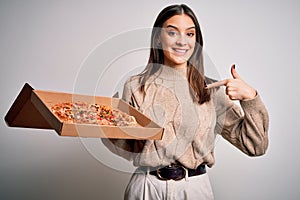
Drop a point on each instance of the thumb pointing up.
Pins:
(234, 74)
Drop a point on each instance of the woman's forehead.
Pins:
(179, 21)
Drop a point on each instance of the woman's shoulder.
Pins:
(133, 82)
(133, 79)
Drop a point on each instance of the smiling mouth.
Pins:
(180, 51)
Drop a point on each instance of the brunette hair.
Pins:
(195, 70)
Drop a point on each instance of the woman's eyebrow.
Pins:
(192, 27)
(172, 26)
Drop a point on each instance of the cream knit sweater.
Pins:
(190, 129)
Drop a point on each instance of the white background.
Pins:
(44, 43)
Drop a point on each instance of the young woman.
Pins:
(174, 92)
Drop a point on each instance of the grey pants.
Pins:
(144, 186)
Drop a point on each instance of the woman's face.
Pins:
(178, 37)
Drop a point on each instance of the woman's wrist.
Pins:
(251, 94)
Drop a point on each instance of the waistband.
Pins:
(174, 171)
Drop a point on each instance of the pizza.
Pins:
(92, 113)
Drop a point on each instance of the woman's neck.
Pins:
(176, 66)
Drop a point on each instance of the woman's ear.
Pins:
(158, 42)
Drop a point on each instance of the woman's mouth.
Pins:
(180, 52)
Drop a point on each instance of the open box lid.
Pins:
(31, 109)
(23, 113)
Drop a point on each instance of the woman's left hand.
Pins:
(236, 87)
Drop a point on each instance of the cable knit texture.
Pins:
(190, 129)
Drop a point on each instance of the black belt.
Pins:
(177, 172)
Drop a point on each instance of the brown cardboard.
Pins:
(31, 109)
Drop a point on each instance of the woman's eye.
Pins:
(190, 34)
(172, 33)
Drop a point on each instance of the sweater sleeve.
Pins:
(122, 147)
(246, 128)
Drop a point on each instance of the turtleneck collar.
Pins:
(169, 73)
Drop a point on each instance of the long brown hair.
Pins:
(195, 70)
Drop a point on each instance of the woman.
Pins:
(173, 91)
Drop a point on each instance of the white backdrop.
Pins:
(46, 43)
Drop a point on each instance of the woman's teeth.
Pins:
(180, 50)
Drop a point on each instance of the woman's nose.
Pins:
(181, 40)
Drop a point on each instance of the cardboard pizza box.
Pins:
(32, 109)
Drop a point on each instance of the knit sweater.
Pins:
(190, 129)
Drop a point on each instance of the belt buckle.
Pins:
(176, 179)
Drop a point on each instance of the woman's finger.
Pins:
(217, 84)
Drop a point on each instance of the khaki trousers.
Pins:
(144, 186)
